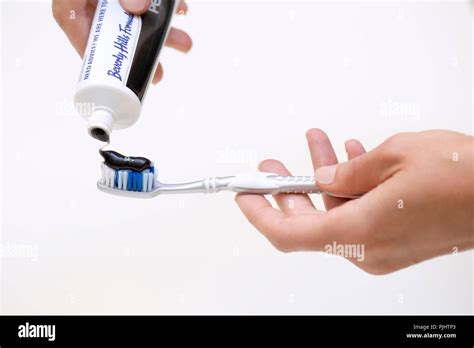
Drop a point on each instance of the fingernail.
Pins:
(134, 5)
(326, 175)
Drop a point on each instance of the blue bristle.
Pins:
(129, 181)
(140, 181)
(135, 181)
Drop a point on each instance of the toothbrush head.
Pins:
(128, 183)
(128, 176)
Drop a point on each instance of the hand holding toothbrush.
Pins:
(418, 201)
(75, 18)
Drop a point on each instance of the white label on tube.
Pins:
(112, 44)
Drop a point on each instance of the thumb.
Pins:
(136, 7)
(357, 176)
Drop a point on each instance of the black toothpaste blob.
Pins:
(118, 161)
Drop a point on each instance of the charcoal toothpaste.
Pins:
(119, 63)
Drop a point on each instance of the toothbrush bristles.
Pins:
(128, 180)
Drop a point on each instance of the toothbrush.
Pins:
(257, 182)
(136, 177)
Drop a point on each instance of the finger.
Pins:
(354, 149)
(158, 74)
(359, 175)
(182, 8)
(136, 7)
(323, 154)
(288, 203)
(179, 40)
(75, 18)
(303, 232)
(285, 233)
(260, 213)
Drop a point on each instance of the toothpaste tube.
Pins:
(119, 64)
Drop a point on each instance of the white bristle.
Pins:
(111, 178)
(102, 167)
(125, 180)
(145, 182)
(107, 175)
(150, 181)
(119, 181)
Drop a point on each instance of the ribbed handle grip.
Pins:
(270, 183)
(295, 184)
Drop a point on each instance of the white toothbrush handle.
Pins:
(271, 183)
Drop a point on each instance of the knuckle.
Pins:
(395, 148)
(376, 269)
(397, 141)
(391, 143)
(379, 267)
(282, 245)
(281, 240)
(377, 261)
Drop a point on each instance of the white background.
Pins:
(259, 76)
